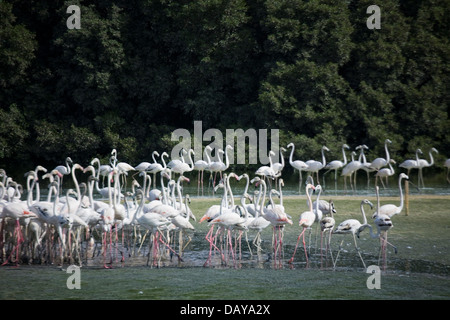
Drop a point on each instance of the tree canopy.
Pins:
(138, 69)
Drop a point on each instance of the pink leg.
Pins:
(298, 240)
(170, 248)
(304, 246)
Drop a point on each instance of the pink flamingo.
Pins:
(307, 219)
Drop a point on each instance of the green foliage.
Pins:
(138, 69)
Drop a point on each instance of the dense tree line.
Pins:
(138, 69)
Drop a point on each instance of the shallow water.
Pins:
(406, 276)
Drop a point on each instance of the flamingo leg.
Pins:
(298, 240)
(357, 250)
(337, 256)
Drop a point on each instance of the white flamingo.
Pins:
(201, 165)
(384, 224)
(182, 167)
(307, 219)
(423, 163)
(410, 164)
(364, 164)
(297, 164)
(381, 162)
(314, 166)
(352, 226)
(156, 167)
(385, 173)
(351, 168)
(391, 209)
(64, 170)
(337, 164)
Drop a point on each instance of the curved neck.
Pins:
(291, 155)
(344, 156)
(207, 156)
(371, 231)
(261, 207)
(401, 192)
(417, 156)
(191, 165)
(317, 200)
(138, 212)
(180, 197)
(244, 207)
(227, 162)
(281, 192)
(149, 185)
(392, 168)
(55, 200)
(323, 157)
(109, 188)
(153, 156)
(363, 213)
(431, 158)
(163, 161)
(30, 190)
(246, 185)
(229, 190)
(186, 200)
(309, 199)
(163, 189)
(270, 198)
(75, 181)
(90, 193)
(388, 158)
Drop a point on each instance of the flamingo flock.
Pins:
(62, 228)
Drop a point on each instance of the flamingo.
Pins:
(103, 170)
(183, 223)
(156, 167)
(277, 166)
(385, 173)
(422, 163)
(337, 164)
(107, 219)
(297, 164)
(352, 226)
(351, 168)
(384, 224)
(267, 171)
(391, 209)
(182, 167)
(364, 164)
(220, 166)
(307, 219)
(153, 222)
(326, 225)
(411, 163)
(201, 165)
(229, 220)
(142, 166)
(381, 162)
(213, 212)
(258, 223)
(18, 211)
(64, 170)
(314, 166)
